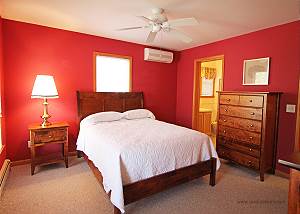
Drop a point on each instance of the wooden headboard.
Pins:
(93, 102)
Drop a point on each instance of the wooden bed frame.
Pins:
(92, 102)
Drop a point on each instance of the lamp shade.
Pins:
(44, 87)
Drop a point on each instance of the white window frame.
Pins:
(113, 56)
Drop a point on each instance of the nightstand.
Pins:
(56, 133)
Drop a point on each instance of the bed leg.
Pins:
(116, 210)
(79, 154)
(212, 179)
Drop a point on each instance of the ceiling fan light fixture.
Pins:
(156, 28)
(158, 21)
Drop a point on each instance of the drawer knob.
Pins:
(250, 137)
(252, 113)
(49, 136)
(228, 100)
(224, 120)
(250, 101)
(224, 131)
(251, 125)
(250, 150)
(225, 110)
(249, 163)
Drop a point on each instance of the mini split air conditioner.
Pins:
(158, 55)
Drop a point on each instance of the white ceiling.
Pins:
(218, 19)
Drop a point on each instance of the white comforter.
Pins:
(126, 151)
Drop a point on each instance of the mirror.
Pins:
(256, 71)
(207, 87)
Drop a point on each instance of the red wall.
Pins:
(3, 153)
(281, 43)
(68, 56)
(30, 49)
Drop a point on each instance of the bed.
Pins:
(121, 161)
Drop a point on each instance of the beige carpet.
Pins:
(55, 189)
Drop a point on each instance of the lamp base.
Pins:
(45, 115)
(45, 123)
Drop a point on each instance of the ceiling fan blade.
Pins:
(180, 36)
(183, 22)
(129, 28)
(151, 37)
(144, 18)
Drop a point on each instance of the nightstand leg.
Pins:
(32, 149)
(63, 149)
(32, 169)
(66, 154)
(262, 176)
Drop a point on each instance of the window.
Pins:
(112, 73)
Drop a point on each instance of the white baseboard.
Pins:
(4, 174)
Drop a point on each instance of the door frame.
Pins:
(297, 134)
(196, 89)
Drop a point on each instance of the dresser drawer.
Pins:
(45, 136)
(227, 120)
(243, 112)
(241, 135)
(253, 101)
(240, 158)
(239, 146)
(240, 123)
(229, 99)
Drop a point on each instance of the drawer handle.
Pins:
(251, 125)
(250, 101)
(252, 113)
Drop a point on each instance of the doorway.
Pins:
(208, 79)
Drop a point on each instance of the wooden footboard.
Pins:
(141, 189)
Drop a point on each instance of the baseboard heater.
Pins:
(4, 174)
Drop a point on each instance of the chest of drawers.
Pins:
(247, 129)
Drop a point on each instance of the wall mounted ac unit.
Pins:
(158, 55)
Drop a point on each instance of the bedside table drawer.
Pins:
(50, 135)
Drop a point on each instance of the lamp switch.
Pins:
(290, 108)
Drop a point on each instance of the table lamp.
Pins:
(44, 87)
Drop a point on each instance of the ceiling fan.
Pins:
(158, 21)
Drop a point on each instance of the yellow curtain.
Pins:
(208, 73)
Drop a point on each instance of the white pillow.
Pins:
(138, 114)
(106, 116)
